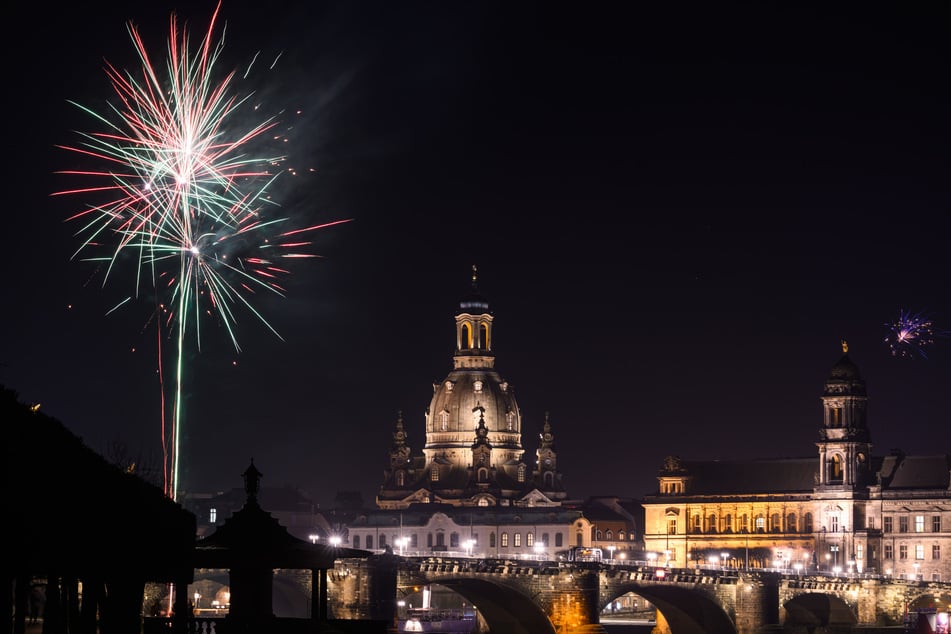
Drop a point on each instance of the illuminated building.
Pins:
(843, 511)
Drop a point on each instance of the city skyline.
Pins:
(676, 220)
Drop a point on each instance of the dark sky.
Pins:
(676, 216)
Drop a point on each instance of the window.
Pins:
(440, 539)
(521, 473)
(889, 552)
(775, 526)
(484, 336)
(620, 536)
(414, 541)
(834, 523)
(807, 523)
(903, 524)
(529, 539)
(935, 551)
(919, 551)
(491, 540)
(609, 535)
(454, 540)
(400, 478)
(597, 535)
(443, 421)
(835, 468)
(504, 540)
(935, 523)
(760, 524)
(356, 541)
(712, 523)
(545, 538)
(429, 540)
(859, 551)
(382, 541)
(483, 502)
(558, 540)
(516, 539)
(903, 551)
(887, 524)
(696, 524)
(919, 523)
(672, 526)
(212, 516)
(791, 523)
(434, 474)
(835, 417)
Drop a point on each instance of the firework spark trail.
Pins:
(910, 334)
(187, 198)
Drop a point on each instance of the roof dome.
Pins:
(845, 370)
(474, 302)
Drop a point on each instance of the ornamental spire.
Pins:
(845, 347)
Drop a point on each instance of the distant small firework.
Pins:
(910, 334)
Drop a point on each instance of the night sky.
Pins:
(676, 217)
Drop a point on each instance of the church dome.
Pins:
(845, 370)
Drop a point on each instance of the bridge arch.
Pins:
(504, 608)
(685, 610)
(815, 609)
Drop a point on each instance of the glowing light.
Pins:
(910, 334)
(181, 196)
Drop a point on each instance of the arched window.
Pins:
(775, 523)
(483, 502)
(466, 342)
(504, 540)
(545, 538)
(696, 523)
(609, 535)
(529, 539)
(807, 522)
(356, 541)
(712, 523)
(727, 523)
(491, 540)
(369, 542)
(483, 474)
(835, 468)
(521, 473)
(440, 539)
(597, 534)
(382, 541)
(510, 420)
(549, 479)
(760, 522)
(443, 420)
(429, 540)
(791, 526)
(620, 536)
(516, 540)
(454, 540)
(558, 540)
(434, 474)
(484, 336)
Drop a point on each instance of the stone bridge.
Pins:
(522, 597)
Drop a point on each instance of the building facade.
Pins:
(843, 510)
(472, 454)
(470, 489)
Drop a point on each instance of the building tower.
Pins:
(473, 454)
(842, 479)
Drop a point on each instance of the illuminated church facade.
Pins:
(472, 454)
(470, 488)
(842, 510)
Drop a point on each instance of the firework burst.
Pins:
(181, 188)
(910, 334)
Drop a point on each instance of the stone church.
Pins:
(470, 489)
(472, 454)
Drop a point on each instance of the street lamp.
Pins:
(714, 560)
(651, 557)
(723, 557)
(539, 551)
(401, 542)
(836, 570)
(611, 550)
(313, 538)
(335, 541)
(851, 563)
(835, 554)
(469, 543)
(798, 567)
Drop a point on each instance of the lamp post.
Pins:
(539, 551)
(714, 560)
(835, 554)
(651, 557)
(798, 567)
(313, 538)
(851, 563)
(469, 544)
(401, 542)
(611, 550)
(723, 557)
(335, 541)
